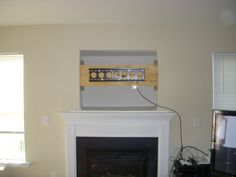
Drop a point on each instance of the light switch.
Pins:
(45, 120)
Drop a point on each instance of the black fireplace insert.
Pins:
(116, 157)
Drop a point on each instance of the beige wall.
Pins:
(52, 78)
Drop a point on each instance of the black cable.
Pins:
(179, 155)
(192, 147)
(172, 110)
(174, 163)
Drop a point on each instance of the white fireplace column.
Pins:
(117, 124)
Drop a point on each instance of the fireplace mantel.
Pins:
(117, 124)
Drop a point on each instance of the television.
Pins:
(223, 146)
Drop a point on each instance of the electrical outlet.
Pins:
(45, 121)
(197, 122)
(53, 174)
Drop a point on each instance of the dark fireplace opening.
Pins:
(109, 163)
(116, 157)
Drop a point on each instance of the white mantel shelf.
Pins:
(117, 124)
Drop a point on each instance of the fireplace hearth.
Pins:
(116, 157)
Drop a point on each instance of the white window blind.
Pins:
(224, 81)
(11, 108)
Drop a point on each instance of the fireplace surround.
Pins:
(117, 124)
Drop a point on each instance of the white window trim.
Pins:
(13, 163)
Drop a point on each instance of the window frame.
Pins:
(15, 163)
(216, 94)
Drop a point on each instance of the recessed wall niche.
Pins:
(108, 79)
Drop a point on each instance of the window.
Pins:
(224, 81)
(11, 109)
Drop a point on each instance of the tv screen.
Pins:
(223, 152)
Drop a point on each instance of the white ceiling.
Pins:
(30, 12)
